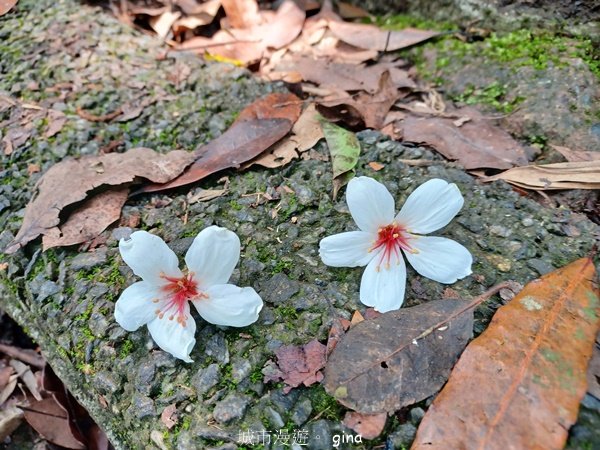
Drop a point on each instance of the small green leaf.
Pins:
(344, 149)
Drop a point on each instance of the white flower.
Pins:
(383, 238)
(161, 299)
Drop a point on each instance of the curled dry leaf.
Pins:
(576, 155)
(88, 220)
(569, 175)
(300, 364)
(169, 416)
(475, 144)
(50, 420)
(69, 182)
(6, 6)
(521, 381)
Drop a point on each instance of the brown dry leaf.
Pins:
(241, 13)
(7, 390)
(337, 330)
(33, 168)
(363, 108)
(162, 24)
(357, 318)
(225, 48)
(56, 122)
(349, 11)
(243, 141)
(273, 106)
(521, 381)
(6, 6)
(24, 372)
(476, 144)
(169, 416)
(14, 138)
(374, 38)
(376, 166)
(88, 220)
(301, 364)
(344, 76)
(569, 175)
(400, 357)
(10, 419)
(576, 155)
(69, 181)
(50, 419)
(368, 426)
(193, 7)
(306, 132)
(205, 195)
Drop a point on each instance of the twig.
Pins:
(94, 118)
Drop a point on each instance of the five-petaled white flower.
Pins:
(383, 238)
(161, 299)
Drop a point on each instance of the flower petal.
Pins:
(430, 207)
(149, 257)
(175, 337)
(136, 306)
(370, 203)
(440, 259)
(381, 287)
(229, 305)
(213, 255)
(349, 249)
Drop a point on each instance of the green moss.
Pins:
(126, 348)
(401, 21)
(235, 205)
(494, 94)
(286, 312)
(324, 405)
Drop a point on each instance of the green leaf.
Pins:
(344, 150)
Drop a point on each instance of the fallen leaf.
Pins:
(398, 358)
(344, 149)
(258, 126)
(69, 181)
(169, 416)
(363, 108)
(376, 166)
(88, 220)
(205, 195)
(33, 168)
(337, 330)
(6, 6)
(301, 364)
(241, 13)
(14, 138)
(374, 38)
(521, 381)
(10, 419)
(192, 7)
(8, 388)
(24, 372)
(476, 144)
(273, 106)
(345, 76)
(569, 175)
(349, 11)
(368, 426)
(305, 134)
(56, 122)
(162, 24)
(50, 420)
(576, 155)
(357, 318)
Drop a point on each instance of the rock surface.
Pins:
(52, 54)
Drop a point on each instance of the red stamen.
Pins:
(391, 238)
(178, 291)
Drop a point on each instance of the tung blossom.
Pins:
(384, 237)
(161, 299)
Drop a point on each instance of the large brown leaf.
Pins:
(374, 38)
(519, 384)
(400, 357)
(259, 125)
(243, 141)
(475, 144)
(69, 182)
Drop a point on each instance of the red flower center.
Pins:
(178, 291)
(391, 239)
